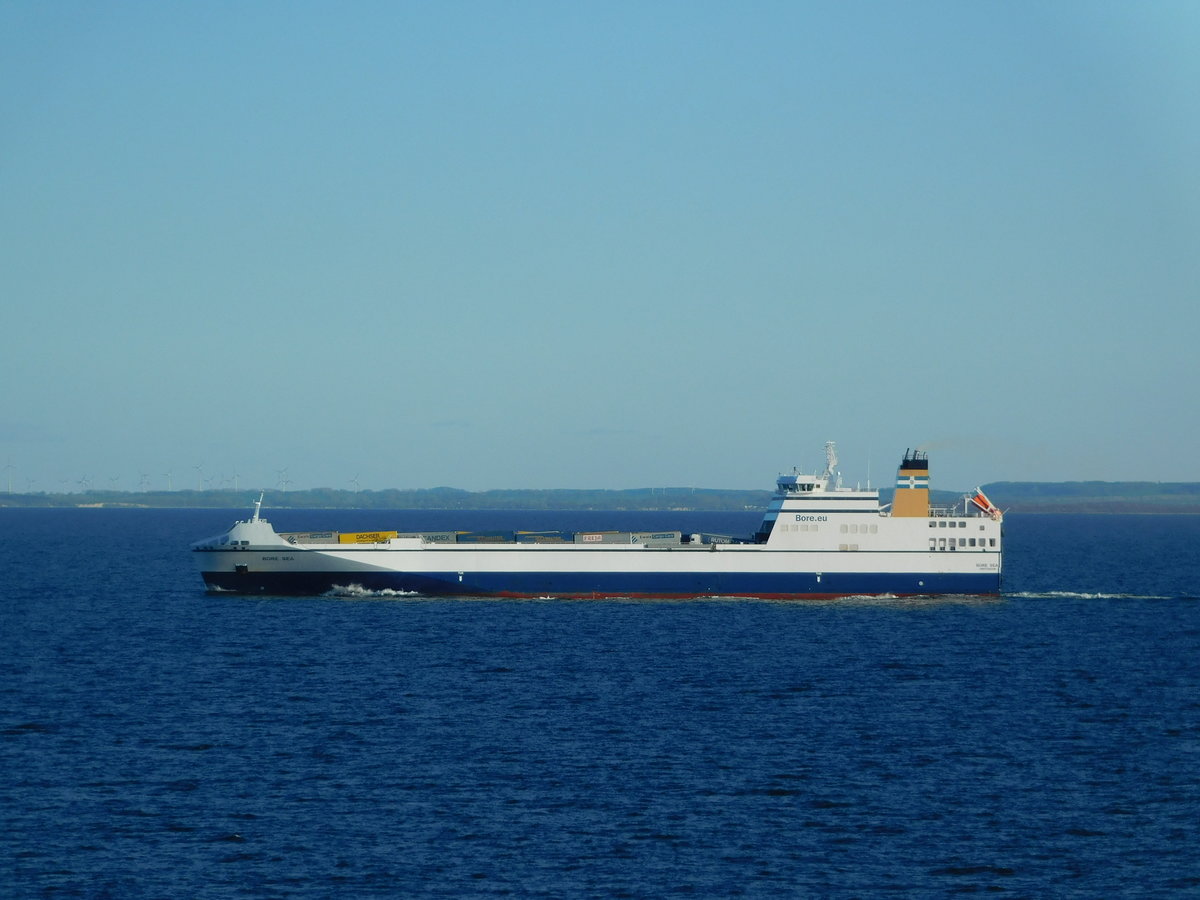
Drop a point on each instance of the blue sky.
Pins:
(497, 245)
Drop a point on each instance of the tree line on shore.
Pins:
(1076, 496)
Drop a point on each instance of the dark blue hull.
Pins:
(615, 584)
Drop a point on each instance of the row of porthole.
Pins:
(941, 544)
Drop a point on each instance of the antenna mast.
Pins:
(831, 459)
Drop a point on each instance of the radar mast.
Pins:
(831, 460)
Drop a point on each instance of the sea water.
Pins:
(158, 741)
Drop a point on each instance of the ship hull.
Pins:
(750, 573)
(307, 584)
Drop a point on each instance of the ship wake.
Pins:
(1084, 595)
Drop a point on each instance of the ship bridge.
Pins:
(800, 484)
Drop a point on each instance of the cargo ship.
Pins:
(818, 539)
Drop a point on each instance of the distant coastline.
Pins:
(1101, 497)
(1097, 496)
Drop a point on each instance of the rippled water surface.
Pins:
(156, 741)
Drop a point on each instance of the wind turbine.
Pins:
(8, 468)
(199, 475)
(284, 481)
(144, 483)
(168, 477)
(354, 481)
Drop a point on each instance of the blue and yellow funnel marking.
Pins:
(911, 499)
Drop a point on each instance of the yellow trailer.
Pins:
(365, 537)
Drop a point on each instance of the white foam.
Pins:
(358, 592)
(1078, 595)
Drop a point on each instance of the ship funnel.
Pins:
(911, 499)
